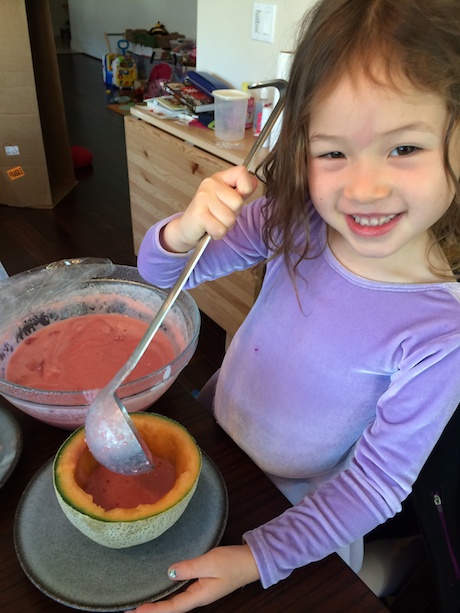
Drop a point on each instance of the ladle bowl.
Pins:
(121, 291)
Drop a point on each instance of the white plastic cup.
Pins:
(231, 107)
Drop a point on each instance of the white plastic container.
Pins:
(230, 114)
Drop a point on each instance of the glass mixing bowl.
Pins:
(122, 291)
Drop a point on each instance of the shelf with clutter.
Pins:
(144, 60)
(160, 45)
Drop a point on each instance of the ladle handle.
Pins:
(281, 85)
(195, 255)
(160, 316)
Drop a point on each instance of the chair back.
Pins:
(436, 502)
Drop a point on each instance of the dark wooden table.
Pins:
(328, 586)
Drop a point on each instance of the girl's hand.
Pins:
(218, 572)
(213, 210)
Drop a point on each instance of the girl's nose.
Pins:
(366, 183)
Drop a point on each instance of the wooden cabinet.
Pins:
(166, 163)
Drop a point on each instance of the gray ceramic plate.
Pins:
(71, 569)
(10, 443)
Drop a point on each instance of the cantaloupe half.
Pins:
(126, 527)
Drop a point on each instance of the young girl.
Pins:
(347, 369)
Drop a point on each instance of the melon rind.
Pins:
(121, 528)
(118, 535)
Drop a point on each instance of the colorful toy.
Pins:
(159, 28)
(159, 75)
(117, 69)
(124, 72)
(107, 70)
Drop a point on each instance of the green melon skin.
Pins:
(121, 528)
(119, 535)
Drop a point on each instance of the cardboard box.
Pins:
(36, 168)
(155, 41)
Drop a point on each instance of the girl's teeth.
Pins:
(373, 221)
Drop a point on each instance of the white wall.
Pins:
(90, 19)
(224, 44)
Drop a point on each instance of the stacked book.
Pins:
(196, 91)
(189, 95)
(169, 107)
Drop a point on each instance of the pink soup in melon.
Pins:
(114, 491)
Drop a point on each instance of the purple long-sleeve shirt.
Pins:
(339, 393)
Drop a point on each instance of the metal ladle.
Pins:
(111, 435)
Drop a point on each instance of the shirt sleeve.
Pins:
(411, 416)
(240, 249)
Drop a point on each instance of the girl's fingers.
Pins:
(182, 602)
(241, 180)
(213, 210)
(215, 574)
(223, 196)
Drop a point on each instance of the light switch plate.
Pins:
(263, 22)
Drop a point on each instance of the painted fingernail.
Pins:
(172, 574)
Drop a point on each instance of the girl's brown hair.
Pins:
(416, 39)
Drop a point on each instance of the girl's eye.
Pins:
(333, 155)
(404, 150)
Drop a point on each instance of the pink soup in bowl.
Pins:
(55, 359)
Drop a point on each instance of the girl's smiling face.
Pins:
(377, 177)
